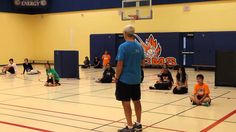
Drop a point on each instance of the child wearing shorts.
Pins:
(52, 76)
(11, 67)
(28, 68)
(201, 92)
(108, 74)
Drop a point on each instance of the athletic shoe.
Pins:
(206, 104)
(152, 88)
(138, 127)
(126, 129)
(193, 103)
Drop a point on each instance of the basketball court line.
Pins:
(60, 117)
(169, 117)
(100, 124)
(82, 93)
(23, 126)
(190, 117)
(47, 122)
(227, 97)
(22, 97)
(184, 111)
(142, 113)
(204, 118)
(76, 115)
(219, 121)
(166, 104)
(39, 80)
(141, 100)
(34, 96)
(18, 87)
(103, 105)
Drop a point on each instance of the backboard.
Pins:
(136, 9)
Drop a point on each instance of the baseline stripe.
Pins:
(23, 126)
(219, 121)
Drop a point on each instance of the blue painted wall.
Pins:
(206, 44)
(76, 5)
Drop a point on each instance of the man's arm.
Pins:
(119, 69)
(143, 63)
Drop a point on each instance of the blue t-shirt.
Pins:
(132, 54)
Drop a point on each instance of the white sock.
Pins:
(138, 123)
(130, 127)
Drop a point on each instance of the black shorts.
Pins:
(51, 81)
(181, 90)
(199, 97)
(11, 70)
(163, 86)
(106, 80)
(126, 92)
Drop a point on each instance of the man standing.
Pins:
(128, 78)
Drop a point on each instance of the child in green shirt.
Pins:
(52, 76)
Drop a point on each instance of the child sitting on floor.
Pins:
(181, 82)
(28, 68)
(86, 63)
(165, 81)
(11, 67)
(97, 63)
(52, 76)
(201, 92)
(108, 74)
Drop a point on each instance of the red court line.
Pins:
(23, 126)
(84, 117)
(219, 121)
(58, 112)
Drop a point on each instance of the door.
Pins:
(187, 49)
(204, 49)
(99, 43)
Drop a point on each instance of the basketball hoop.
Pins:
(133, 17)
(136, 10)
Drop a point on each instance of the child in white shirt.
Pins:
(11, 67)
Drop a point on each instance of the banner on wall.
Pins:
(153, 52)
(31, 3)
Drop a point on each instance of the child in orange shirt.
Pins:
(201, 92)
(106, 59)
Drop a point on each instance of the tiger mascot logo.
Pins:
(152, 50)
